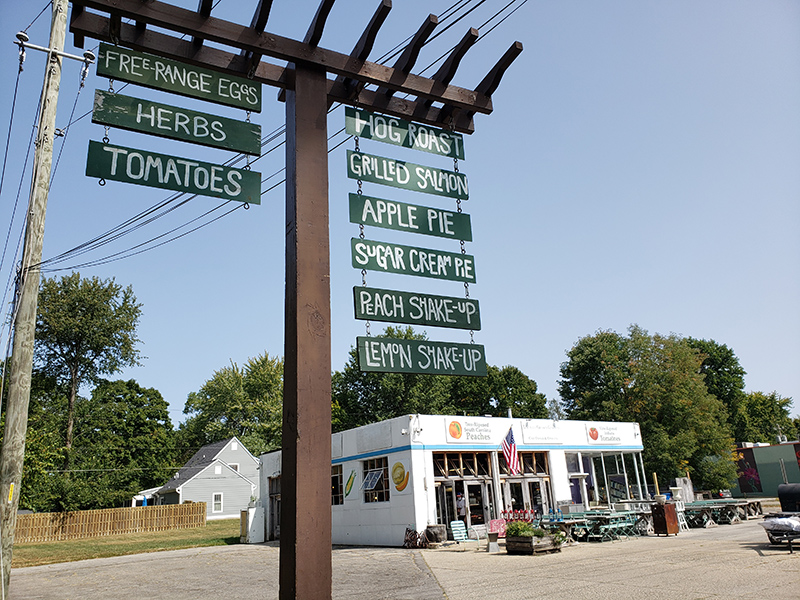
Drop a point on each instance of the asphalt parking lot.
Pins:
(726, 562)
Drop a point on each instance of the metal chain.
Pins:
(361, 232)
(463, 245)
(247, 156)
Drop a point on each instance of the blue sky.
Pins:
(641, 166)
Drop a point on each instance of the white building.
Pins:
(408, 472)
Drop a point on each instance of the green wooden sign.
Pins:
(398, 132)
(408, 260)
(147, 70)
(142, 167)
(405, 175)
(373, 304)
(389, 214)
(390, 355)
(175, 123)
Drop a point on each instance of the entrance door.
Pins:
(446, 502)
(477, 507)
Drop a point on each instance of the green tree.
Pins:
(724, 379)
(85, 329)
(765, 416)
(123, 443)
(243, 402)
(655, 381)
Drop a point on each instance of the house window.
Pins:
(234, 466)
(337, 489)
(218, 470)
(380, 491)
(217, 504)
(234, 446)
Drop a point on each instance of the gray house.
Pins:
(223, 474)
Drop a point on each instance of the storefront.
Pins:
(409, 472)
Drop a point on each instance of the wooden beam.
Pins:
(78, 40)
(204, 10)
(258, 23)
(367, 40)
(159, 14)
(406, 61)
(314, 33)
(365, 43)
(267, 73)
(490, 83)
(261, 16)
(448, 69)
(161, 44)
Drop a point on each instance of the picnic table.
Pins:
(572, 527)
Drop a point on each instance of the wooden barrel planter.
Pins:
(531, 545)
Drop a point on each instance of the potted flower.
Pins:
(524, 538)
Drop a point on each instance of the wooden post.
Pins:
(19, 387)
(305, 560)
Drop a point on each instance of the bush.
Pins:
(521, 529)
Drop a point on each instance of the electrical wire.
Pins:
(145, 218)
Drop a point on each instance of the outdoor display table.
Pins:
(572, 527)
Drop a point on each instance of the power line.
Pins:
(141, 220)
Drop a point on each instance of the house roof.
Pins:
(201, 459)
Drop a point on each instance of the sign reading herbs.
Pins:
(176, 123)
(142, 167)
(390, 355)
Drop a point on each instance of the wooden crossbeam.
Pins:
(171, 47)
(406, 61)
(492, 80)
(204, 10)
(448, 69)
(166, 16)
(261, 15)
(408, 58)
(314, 34)
(259, 24)
(365, 44)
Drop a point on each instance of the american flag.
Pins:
(510, 452)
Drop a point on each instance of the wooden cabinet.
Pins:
(665, 519)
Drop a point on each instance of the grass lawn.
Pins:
(215, 533)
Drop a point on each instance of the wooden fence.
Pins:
(51, 527)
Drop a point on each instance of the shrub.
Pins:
(521, 529)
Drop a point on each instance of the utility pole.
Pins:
(19, 388)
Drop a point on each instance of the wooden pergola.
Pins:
(311, 82)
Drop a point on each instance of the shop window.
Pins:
(337, 489)
(379, 484)
(217, 503)
(484, 464)
(439, 464)
(453, 465)
(541, 462)
(572, 462)
(470, 466)
(528, 463)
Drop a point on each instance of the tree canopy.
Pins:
(360, 397)
(85, 329)
(123, 444)
(243, 402)
(656, 381)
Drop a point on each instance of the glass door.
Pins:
(476, 507)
